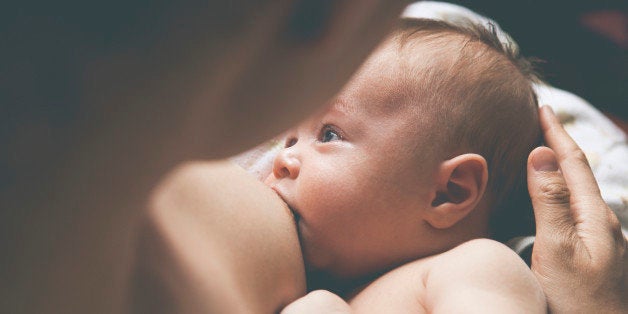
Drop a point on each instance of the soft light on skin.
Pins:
(362, 179)
(350, 175)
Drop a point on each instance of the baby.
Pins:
(424, 150)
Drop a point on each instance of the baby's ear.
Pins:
(460, 185)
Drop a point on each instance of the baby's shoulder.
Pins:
(476, 276)
(483, 271)
(476, 261)
(478, 253)
(478, 272)
(400, 290)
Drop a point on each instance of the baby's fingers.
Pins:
(318, 301)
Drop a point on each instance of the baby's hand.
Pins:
(319, 301)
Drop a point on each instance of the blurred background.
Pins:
(584, 45)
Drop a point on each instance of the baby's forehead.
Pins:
(410, 71)
(369, 104)
(379, 87)
(392, 82)
(400, 112)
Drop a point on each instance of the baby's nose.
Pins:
(286, 164)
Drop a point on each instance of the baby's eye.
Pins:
(328, 134)
(290, 141)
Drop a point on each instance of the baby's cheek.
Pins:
(269, 179)
(320, 196)
(332, 190)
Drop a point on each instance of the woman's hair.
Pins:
(478, 93)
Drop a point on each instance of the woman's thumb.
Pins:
(549, 192)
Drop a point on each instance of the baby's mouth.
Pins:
(296, 215)
(294, 212)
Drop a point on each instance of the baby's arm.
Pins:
(318, 301)
(482, 276)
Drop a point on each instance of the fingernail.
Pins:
(550, 109)
(545, 161)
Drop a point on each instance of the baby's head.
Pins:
(424, 149)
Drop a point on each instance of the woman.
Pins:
(104, 101)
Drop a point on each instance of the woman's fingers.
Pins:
(579, 255)
(593, 219)
(569, 210)
(549, 192)
(572, 160)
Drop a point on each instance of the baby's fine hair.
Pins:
(478, 94)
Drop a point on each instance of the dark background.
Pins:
(583, 44)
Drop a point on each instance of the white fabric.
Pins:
(259, 160)
(453, 14)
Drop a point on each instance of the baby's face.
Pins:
(355, 178)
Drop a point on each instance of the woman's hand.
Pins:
(580, 255)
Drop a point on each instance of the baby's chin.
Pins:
(333, 277)
(315, 258)
(320, 261)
